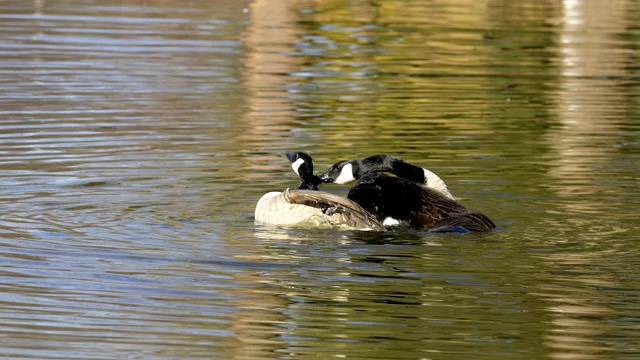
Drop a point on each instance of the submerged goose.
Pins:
(346, 171)
(308, 207)
(396, 201)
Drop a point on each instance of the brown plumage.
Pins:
(340, 211)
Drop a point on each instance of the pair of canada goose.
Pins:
(414, 198)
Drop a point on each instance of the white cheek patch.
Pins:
(296, 165)
(346, 175)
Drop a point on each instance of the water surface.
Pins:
(136, 138)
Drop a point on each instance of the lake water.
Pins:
(136, 138)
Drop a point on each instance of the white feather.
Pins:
(346, 175)
(433, 181)
(389, 221)
(296, 165)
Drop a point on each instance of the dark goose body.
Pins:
(396, 200)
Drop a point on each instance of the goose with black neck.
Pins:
(347, 171)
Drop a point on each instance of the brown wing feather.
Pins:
(341, 211)
(318, 199)
(470, 221)
(437, 203)
(440, 211)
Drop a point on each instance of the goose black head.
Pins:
(302, 165)
(346, 171)
(342, 172)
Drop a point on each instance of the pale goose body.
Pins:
(312, 208)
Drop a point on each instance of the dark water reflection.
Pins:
(136, 138)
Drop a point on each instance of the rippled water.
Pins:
(136, 138)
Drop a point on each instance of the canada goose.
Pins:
(398, 201)
(307, 207)
(346, 171)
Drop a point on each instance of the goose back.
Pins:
(349, 170)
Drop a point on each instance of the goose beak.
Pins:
(290, 156)
(326, 178)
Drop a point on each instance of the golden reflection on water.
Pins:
(268, 40)
(592, 70)
(264, 132)
(578, 311)
(265, 122)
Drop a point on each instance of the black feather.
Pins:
(418, 206)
